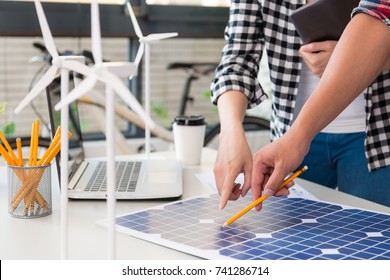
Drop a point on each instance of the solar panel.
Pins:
(285, 229)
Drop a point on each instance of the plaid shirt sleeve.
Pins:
(376, 8)
(242, 53)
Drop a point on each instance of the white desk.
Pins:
(40, 238)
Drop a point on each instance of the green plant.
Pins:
(207, 95)
(159, 109)
(7, 128)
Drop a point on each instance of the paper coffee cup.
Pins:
(189, 133)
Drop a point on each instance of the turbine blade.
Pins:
(133, 18)
(85, 86)
(46, 33)
(139, 55)
(38, 88)
(159, 36)
(117, 85)
(77, 67)
(95, 34)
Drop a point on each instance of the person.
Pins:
(363, 51)
(336, 157)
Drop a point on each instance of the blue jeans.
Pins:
(338, 160)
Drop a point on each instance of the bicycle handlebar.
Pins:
(200, 68)
(41, 47)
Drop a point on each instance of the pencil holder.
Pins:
(29, 191)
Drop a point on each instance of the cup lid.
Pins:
(190, 120)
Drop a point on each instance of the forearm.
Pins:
(358, 58)
(231, 109)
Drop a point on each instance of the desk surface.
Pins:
(40, 238)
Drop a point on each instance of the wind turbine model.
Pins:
(108, 73)
(145, 42)
(62, 64)
(58, 62)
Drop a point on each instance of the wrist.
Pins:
(299, 137)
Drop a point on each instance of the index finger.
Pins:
(227, 191)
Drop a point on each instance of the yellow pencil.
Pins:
(7, 146)
(6, 156)
(20, 152)
(36, 140)
(263, 197)
(32, 140)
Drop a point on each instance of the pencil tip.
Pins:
(223, 226)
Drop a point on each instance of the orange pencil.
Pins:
(6, 156)
(36, 140)
(20, 153)
(32, 139)
(8, 147)
(263, 197)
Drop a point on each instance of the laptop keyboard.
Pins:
(126, 177)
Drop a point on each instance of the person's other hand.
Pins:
(234, 157)
(316, 55)
(272, 164)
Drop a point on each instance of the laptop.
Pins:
(323, 19)
(135, 179)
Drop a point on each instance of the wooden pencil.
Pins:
(20, 151)
(7, 146)
(263, 197)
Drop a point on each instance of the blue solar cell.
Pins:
(356, 246)
(227, 252)
(312, 243)
(242, 256)
(301, 256)
(313, 251)
(384, 245)
(375, 251)
(272, 256)
(386, 255)
(297, 247)
(285, 252)
(281, 243)
(286, 228)
(364, 255)
(294, 239)
(338, 243)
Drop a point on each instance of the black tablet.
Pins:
(323, 20)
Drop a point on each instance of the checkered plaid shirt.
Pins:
(257, 24)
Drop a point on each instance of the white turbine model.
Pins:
(59, 64)
(145, 42)
(108, 73)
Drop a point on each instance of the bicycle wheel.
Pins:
(257, 131)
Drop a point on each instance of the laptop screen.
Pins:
(53, 95)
